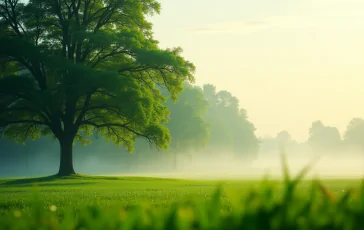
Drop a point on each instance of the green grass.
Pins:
(86, 202)
(107, 192)
(78, 191)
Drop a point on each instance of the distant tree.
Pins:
(221, 135)
(324, 138)
(246, 143)
(188, 128)
(284, 140)
(316, 127)
(230, 128)
(284, 137)
(75, 68)
(354, 134)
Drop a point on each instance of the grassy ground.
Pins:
(84, 202)
(113, 192)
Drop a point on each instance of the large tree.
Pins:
(74, 68)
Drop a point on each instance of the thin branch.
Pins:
(134, 69)
(26, 133)
(106, 107)
(105, 93)
(84, 109)
(93, 118)
(164, 77)
(111, 54)
(110, 125)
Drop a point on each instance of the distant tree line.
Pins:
(322, 139)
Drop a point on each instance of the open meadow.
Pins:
(78, 191)
(95, 202)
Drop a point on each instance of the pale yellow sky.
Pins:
(289, 62)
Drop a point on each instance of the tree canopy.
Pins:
(324, 138)
(74, 68)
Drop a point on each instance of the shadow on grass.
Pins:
(76, 179)
(25, 181)
(44, 181)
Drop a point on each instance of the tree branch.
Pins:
(11, 16)
(133, 69)
(110, 125)
(111, 54)
(106, 107)
(84, 109)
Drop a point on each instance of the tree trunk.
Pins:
(66, 161)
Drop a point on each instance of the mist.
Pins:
(200, 166)
(226, 166)
(41, 158)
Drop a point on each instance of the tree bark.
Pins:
(66, 160)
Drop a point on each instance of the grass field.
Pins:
(79, 191)
(61, 196)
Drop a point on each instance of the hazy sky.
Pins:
(289, 62)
